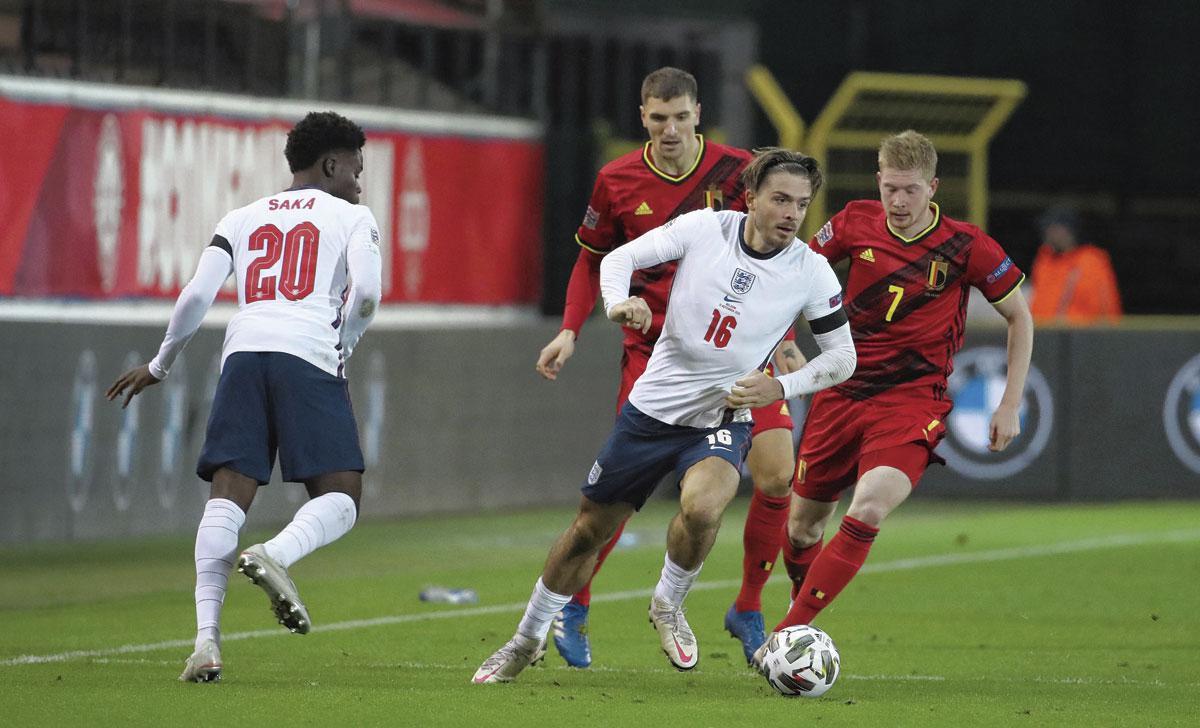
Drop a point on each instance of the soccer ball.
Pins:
(801, 660)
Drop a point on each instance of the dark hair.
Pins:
(667, 83)
(769, 159)
(319, 133)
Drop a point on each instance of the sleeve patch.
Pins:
(591, 218)
(836, 301)
(825, 234)
(1000, 271)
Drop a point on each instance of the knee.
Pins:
(699, 517)
(774, 481)
(803, 533)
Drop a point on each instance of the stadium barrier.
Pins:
(452, 417)
(114, 191)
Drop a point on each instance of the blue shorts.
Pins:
(267, 401)
(641, 450)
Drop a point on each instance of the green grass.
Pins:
(988, 626)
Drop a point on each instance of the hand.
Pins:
(756, 389)
(555, 354)
(1006, 425)
(787, 358)
(633, 313)
(135, 380)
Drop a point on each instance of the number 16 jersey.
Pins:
(730, 306)
(289, 257)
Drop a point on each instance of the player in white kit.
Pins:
(307, 266)
(742, 280)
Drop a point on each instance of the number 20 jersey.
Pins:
(730, 306)
(906, 298)
(289, 260)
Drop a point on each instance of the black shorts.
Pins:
(268, 402)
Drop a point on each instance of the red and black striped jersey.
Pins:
(907, 297)
(632, 197)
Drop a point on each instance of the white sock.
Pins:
(216, 546)
(543, 605)
(319, 522)
(675, 582)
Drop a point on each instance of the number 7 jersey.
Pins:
(906, 298)
(289, 255)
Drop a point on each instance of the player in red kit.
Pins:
(676, 171)
(911, 269)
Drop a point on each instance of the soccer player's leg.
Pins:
(771, 462)
(711, 469)
(629, 465)
(318, 446)
(571, 624)
(236, 459)
(897, 447)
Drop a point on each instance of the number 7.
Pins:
(899, 292)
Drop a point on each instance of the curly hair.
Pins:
(318, 133)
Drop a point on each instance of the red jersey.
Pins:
(632, 197)
(907, 297)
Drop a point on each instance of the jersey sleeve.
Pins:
(363, 263)
(830, 240)
(671, 241)
(223, 235)
(991, 270)
(825, 293)
(600, 231)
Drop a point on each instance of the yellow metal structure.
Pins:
(784, 117)
(960, 115)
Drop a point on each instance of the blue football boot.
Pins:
(748, 628)
(571, 635)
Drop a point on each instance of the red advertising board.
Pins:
(110, 194)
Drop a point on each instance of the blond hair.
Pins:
(667, 83)
(909, 150)
(770, 159)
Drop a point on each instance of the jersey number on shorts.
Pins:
(720, 330)
(299, 251)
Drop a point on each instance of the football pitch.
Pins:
(965, 615)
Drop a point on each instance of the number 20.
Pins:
(299, 250)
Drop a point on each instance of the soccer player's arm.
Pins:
(596, 234)
(831, 330)
(215, 265)
(664, 243)
(994, 274)
(364, 266)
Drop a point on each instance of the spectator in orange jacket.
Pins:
(1073, 282)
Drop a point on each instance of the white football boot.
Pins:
(678, 641)
(204, 665)
(507, 662)
(270, 575)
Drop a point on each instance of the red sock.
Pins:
(765, 524)
(583, 597)
(798, 560)
(831, 571)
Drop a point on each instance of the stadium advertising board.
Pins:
(112, 193)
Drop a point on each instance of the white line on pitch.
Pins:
(1006, 554)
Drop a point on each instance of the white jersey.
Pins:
(289, 257)
(730, 306)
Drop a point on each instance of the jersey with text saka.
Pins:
(907, 297)
(632, 197)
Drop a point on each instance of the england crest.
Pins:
(742, 280)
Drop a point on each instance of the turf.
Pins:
(967, 614)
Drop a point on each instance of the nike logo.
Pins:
(685, 657)
(732, 300)
(718, 447)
